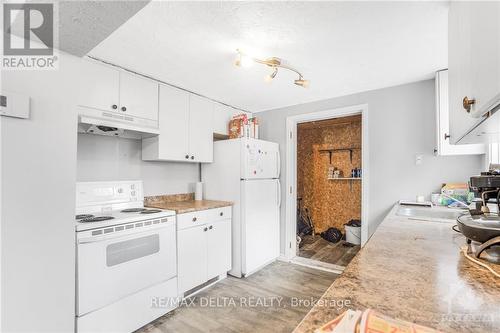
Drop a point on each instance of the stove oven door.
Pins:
(110, 267)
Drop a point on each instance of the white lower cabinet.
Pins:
(192, 252)
(203, 246)
(218, 248)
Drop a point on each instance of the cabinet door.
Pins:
(192, 257)
(222, 116)
(459, 71)
(99, 87)
(174, 124)
(138, 96)
(485, 55)
(200, 129)
(218, 248)
(443, 146)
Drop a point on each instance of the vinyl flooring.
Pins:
(274, 300)
(317, 248)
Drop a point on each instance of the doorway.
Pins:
(327, 164)
(329, 178)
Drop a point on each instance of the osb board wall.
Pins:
(331, 203)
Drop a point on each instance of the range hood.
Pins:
(99, 126)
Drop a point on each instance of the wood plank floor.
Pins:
(317, 248)
(279, 285)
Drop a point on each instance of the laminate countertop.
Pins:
(187, 206)
(413, 270)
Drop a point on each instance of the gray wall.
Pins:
(102, 158)
(401, 124)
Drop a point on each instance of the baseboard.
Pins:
(204, 286)
(283, 258)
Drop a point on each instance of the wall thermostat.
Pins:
(14, 105)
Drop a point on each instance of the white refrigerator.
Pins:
(246, 172)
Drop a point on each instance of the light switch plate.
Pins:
(14, 105)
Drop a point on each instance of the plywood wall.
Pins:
(332, 203)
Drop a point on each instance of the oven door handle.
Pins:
(95, 239)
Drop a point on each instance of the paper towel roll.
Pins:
(198, 192)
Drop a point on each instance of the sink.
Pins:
(429, 213)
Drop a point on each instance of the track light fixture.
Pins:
(270, 77)
(244, 60)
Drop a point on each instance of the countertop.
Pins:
(187, 206)
(413, 270)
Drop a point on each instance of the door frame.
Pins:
(291, 170)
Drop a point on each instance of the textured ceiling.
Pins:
(84, 24)
(342, 47)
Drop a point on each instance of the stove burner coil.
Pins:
(96, 219)
(133, 210)
(151, 211)
(83, 216)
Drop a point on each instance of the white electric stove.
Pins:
(104, 204)
(126, 257)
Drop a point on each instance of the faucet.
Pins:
(456, 200)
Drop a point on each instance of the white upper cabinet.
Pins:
(221, 118)
(138, 96)
(186, 133)
(118, 96)
(200, 129)
(443, 145)
(485, 56)
(172, 143)
(101, 87)
(474, 64)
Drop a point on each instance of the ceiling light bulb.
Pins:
(303, 83)
(270, 77)
(245, 61)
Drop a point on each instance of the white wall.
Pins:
(401, 124)
(102, 158)
(38, 174)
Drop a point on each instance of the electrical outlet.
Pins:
(419, 159)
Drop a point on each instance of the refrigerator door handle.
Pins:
(278, 162)
(279, 193)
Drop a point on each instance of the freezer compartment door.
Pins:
(260, 159)
(260, 223)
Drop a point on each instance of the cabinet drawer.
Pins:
(222, 213)
(188, 220)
